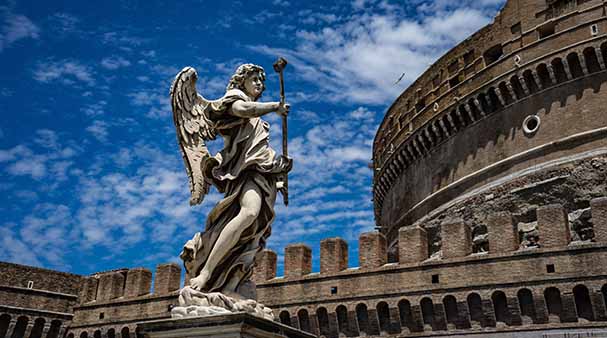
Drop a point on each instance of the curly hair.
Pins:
(241, 74)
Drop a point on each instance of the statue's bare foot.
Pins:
(200, 281)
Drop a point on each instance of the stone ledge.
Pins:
(127, 301)
(38, 291)
(35, 312)
(227, 326)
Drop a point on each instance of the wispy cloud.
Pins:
(99, 130)
(64, 23)
(15, 27)
(21, 160)
(359, 59)
(68, 72)
(115, 62)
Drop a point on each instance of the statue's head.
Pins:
(250, 79)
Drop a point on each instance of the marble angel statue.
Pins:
(247, 171)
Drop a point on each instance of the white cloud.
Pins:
(359, 60)
(21, 160)
(68, 72)
(16, 27)
(94, 109)
(47, 138)
(64, 23)
(15, 250)
(149, 205)
(155, 100)
(115, 62)
(99, 130)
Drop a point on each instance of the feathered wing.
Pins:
(190, 114)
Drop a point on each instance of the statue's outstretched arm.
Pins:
(255, 109)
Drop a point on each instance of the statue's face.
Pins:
(253, 85)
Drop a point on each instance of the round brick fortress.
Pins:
(522, 95)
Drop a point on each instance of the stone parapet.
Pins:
(372, 250)
(553, 226)
(111, 285)
(333, 255)
(138, 282)
(167, 279)
(598, 208)
(298, 260)
(265, 266)
(412, 245)
(455, 239)
(503, 236)
(88, 291)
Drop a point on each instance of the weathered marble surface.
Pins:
(193, 303)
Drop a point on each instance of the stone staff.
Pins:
(279, 66)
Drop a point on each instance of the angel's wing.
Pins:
(190, 114)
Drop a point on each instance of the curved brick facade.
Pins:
(460, 127)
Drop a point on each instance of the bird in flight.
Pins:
(399, 79)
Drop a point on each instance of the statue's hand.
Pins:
(283, 109)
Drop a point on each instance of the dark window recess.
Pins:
(546, 29)
(469, 57)
(550, 268)
(334, 290)
(170, 307)
(436, 81)
(493, 54)
(420, 105)
(516, 29)
(454, 81)
(434, 279)
(453, 67)
(101, 315)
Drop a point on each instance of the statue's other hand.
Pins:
(283, 109)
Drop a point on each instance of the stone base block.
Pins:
(235, 325)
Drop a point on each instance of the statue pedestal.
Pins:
(234, 325)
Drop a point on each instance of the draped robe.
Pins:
(246, 157)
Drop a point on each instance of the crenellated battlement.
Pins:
(130, 283)
(553, 229)
(530, 272)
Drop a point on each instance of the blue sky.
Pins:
(90, 173)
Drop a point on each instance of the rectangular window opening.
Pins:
(421, 104)
(435, 279)
(30, 284)
(594, 29)
(334, 290)
(493, 54)
(454, 81)
(453, 67)
(546, 29)
(516, 29)
(469, 57)
(101, 315)
(550, 268)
